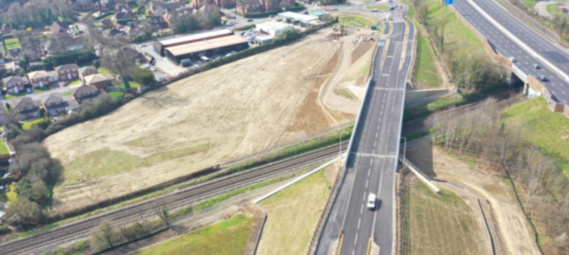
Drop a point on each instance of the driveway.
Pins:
(41, 95)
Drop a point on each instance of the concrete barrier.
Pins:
(422, 176)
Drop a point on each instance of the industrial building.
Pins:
(299, 17)
(273, 27)
(206, 47)
(162, 45)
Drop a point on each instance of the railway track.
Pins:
(181, 198)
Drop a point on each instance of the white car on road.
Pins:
(371, 201)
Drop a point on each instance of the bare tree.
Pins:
(103, 236)
(162, 210)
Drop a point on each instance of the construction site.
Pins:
(209, 118)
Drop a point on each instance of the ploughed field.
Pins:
(201, 121)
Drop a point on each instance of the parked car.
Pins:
(374, 10)
(328, 10)
(208, 28)
(142, 45)
(535, 66)
(513, 60)
(249, 20)
(542, 77)
(272, 16)
(29, 91)
(153, 69)
(306, 12)
(334, 9)
(161, 79)
(229, 24)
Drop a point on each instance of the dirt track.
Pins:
(237, 108)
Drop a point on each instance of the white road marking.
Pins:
(356, 241)
(362, 210)
(368, 172)
(359, 221)
(364, 196)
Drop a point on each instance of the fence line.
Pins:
(287, 144)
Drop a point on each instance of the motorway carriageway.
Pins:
(507, 47)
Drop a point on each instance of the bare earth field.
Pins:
(191, 124)
(515, 235)
(293, 213)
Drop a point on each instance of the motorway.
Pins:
(80, 229)
(506, 46)
(371, 167)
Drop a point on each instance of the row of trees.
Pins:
(501, 146)
(558, 23)
(38, 13)
(192, 22)
(470, 71)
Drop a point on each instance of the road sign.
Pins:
(449, 2)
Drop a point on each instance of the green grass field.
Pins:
(548, 131)
(554, 9)
(530, 3)
(106, 162)
(292, 215)
(67, 94)
(116, 94)
(45, 88)
(378, 7)
(12, 43)
(131, 83)
(104, 70)
(3, 148)
(10, 96)
(12, 195)
(425, 69)
(457, 35)
(29, 124)
(74, 82)
(428, 229)
(356, 21)
(228, 237)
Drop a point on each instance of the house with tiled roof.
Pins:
(84, 92)
(40, 78)
(99, 80)
(15, 84)
(54, 105)
(83, 5)
(27, 108)
(67, 72)
(86, 71)
(58, 28)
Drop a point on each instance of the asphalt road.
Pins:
(507, 47)
(371, 167)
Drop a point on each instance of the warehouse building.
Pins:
(209, 48)
(298, 17)
(162, 45)
(273, 27)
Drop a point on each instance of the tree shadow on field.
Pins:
(164, 97)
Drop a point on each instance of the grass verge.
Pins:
(10, 96)
(292, 215)
(356, 21)
(378, 7)
(547, 130)
(116, 94)
(228, 237)
(3, 148)
(67, 94)
(425, 69)
(12, 43)
(553, 9)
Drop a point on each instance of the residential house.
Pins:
(106, 24)
(86, 71)
(40, 78)
(54, 105)
(100, 81)
(3, 113)
(67, 72)
(27, 108)
(219, 3)
(255, 6)
(15, 84)
(124, 14)
(209, 8)
(122, 7)
(58, 28)
(158, 22)
(84, 92)
(160, 8)
(52, 47)
(105, 5)
(112, 33)
(83, 5)
(6, 28)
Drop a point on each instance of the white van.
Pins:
(371, 201)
